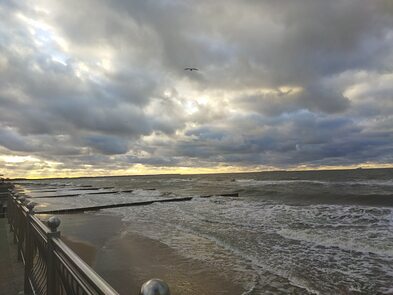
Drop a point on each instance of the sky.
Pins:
(98, 87)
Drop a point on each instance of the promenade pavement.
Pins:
(11, 271)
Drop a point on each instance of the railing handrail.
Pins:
(82, 270)
(39, 225)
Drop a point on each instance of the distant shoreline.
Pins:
(191, 174)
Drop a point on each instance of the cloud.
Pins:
(13, 141)
(108, 145)
(281, 83)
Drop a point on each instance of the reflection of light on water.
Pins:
(43, 205)
(43, 216)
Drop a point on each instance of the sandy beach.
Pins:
(126, 260)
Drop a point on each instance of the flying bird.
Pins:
(191, 69)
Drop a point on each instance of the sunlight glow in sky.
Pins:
(99, 88)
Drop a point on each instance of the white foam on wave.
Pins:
(361, 243)
(255, 182)
(251, 287)
(238, 235)
(179, 229)
(178, 180)
(257, 264)
(146, 193)
(373, 182)
(351, 228)
(387, 290)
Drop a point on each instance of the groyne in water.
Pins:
(96, 208)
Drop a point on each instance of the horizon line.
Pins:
(201, 173)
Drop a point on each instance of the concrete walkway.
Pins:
(11, 271)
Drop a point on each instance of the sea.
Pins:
(282, 232)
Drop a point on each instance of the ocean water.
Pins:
(316, 232)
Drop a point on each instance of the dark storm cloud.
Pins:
(305, 138)
(14, 141)
(314, 98)
(107, 144)
(280, 83)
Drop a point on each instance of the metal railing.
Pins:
(51, 267)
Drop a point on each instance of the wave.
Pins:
(258, 266)
(147, 193)
(255, 182)
(362, 244)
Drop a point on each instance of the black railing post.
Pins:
(19, 227)
(53, 224)
(16, 219)
(29, 251)
(9, 208)
(8, 205)
(13, 208)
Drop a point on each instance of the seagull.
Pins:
(191, 69)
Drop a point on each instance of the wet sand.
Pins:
(126, 260)
(85, 250)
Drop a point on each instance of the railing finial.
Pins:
(155, 287)
(31, 206)
(53, 223)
